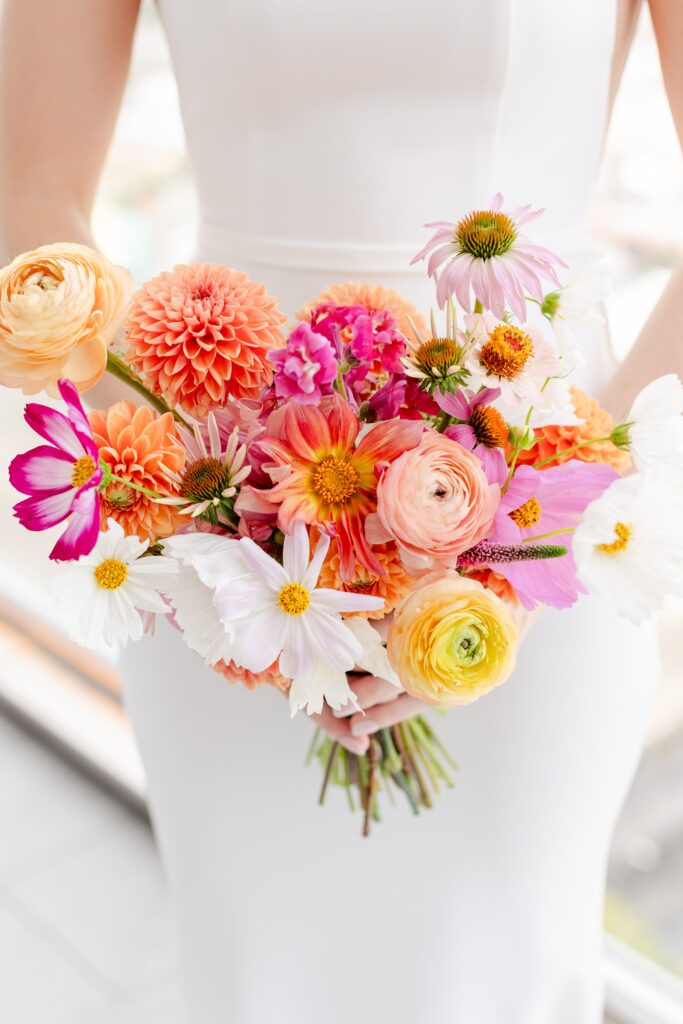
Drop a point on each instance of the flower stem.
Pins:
(568, 451)
(341, 388)
(552, 533)
(119, 369)
(111, 477)
(444, 420)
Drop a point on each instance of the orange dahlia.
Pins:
(321, 475)
(201, 334)
(392, 586)
(494, 581)
(141, 446)
(595, 422)
(252, 680)
(375, 298)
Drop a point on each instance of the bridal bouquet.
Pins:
(366, 491)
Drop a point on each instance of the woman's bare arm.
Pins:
(659, 347)
(63, 69)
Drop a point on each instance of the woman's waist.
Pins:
(357, 258)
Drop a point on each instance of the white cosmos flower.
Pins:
(276, 612)
(205, 559)
(629, 546)
(103, 593)
(576, 305)
(653, 430)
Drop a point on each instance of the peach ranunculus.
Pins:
(452, 640)
(435, 502)
(60, 307)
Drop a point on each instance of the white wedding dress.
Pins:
(323, 135)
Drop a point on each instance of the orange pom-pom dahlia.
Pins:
(392, 586)
(201, 334)
(139, 445)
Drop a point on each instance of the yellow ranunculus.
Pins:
(451, 640)
(60, 306)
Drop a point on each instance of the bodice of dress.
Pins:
(324, 135)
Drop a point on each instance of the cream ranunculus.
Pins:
(60, 306)
(452, 640)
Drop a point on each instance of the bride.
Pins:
(323, 135)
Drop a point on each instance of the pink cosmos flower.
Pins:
(62, 477)
(486, 256)
(481, 429)
(305, 368)
(543, 502)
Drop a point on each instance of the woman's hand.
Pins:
(383, 705)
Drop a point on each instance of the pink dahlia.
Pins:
(480, 428)
(540, 503)
(62, 477)
(305, 368)
(486, 256)
(201, 335)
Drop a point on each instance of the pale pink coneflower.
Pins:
(486, 256)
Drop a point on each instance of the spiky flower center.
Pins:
(83, 469)
(490, 429)
(485, 233)
(111, 574)
(438, 354)
(205, 479)
(293, 599)
(527, 514)
(506, 351)
(622, 533)
(361, 585)
(335, 479)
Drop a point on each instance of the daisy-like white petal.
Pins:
(629, 545)
(103, 593)
(321, 685)
(653, 431)
(195, 614)
(374, 658)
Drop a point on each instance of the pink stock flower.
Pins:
(305, 368)
(481, 429)
(538, 503)
(61, 477)
(487, 257)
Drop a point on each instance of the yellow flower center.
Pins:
(485, 233)
(527, 514)
(622, 532)
(490, 429)
(205, 479)
(506, 352)
(335, 480)
(438, 354)
(111, 574)
(293, 599)
(82, 470)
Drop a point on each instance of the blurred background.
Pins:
(81, 898)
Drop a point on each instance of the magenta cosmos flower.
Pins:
(62, 477)
(486, 256)
(305, 368)
(543, 502)
(480, 428)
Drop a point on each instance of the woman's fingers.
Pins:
(339, 729)
(369, 690)
(384, 715)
